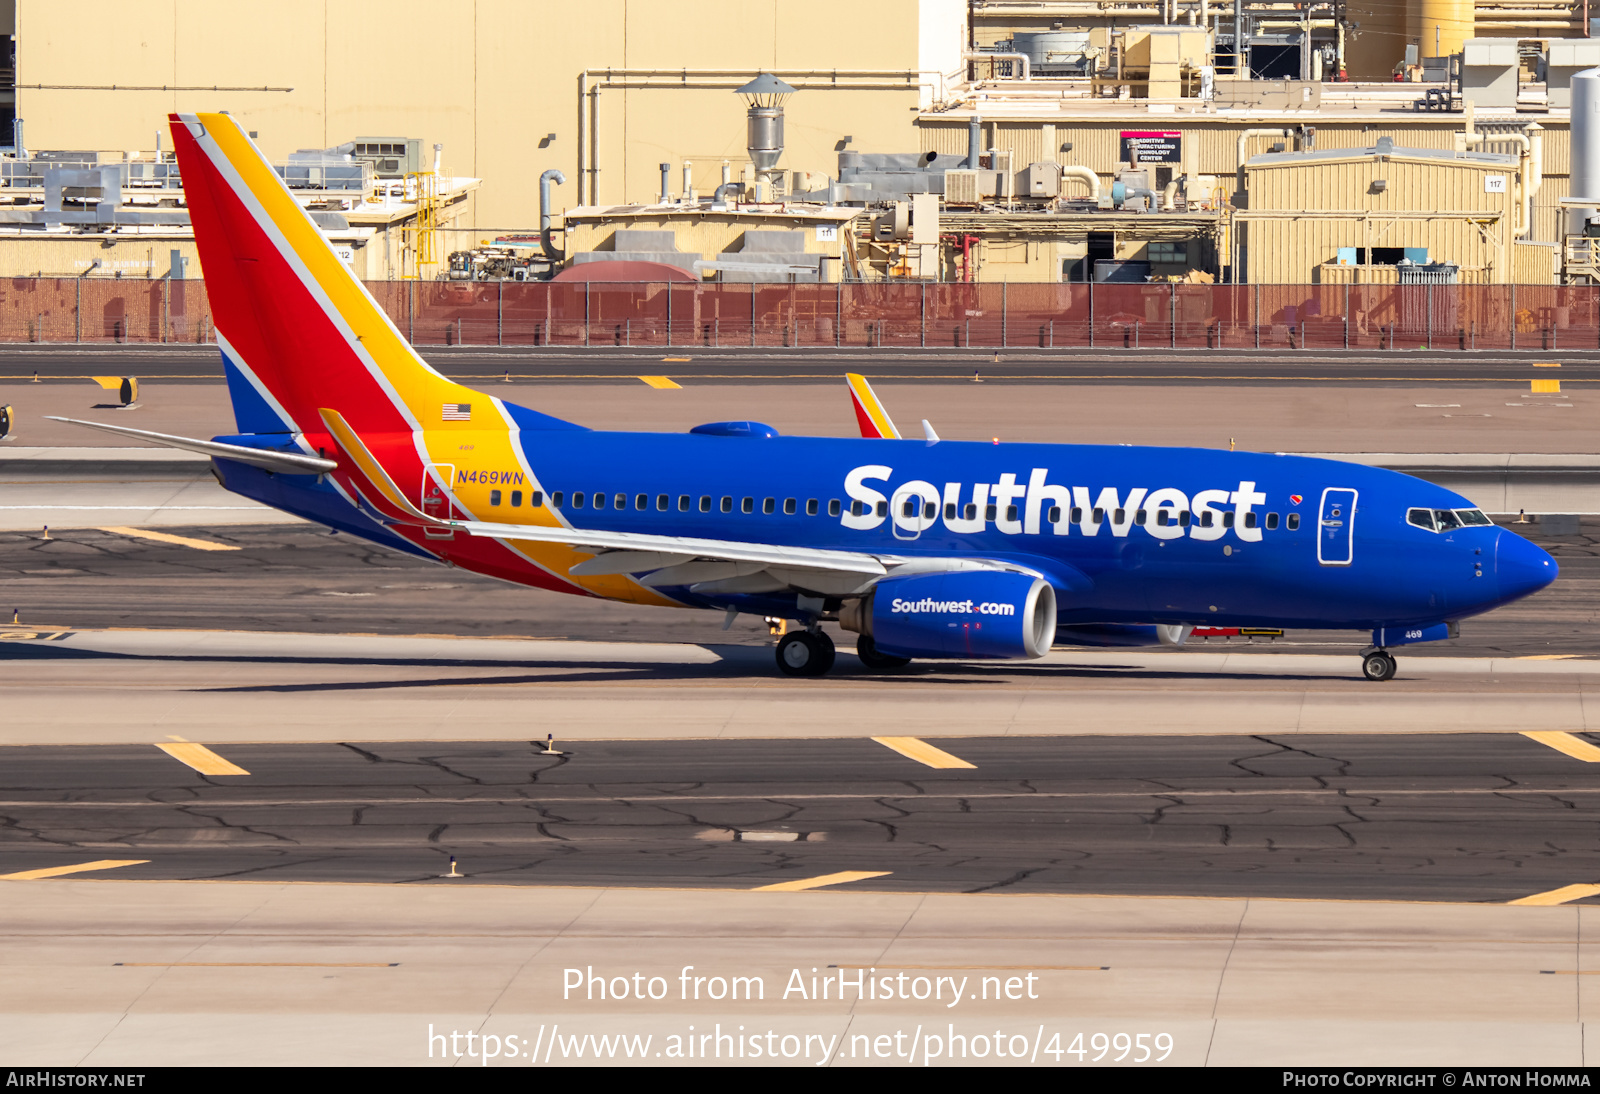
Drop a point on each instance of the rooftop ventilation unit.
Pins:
(391, 157)
(961, 187)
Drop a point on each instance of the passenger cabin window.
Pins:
(558, 499)
(833, 507)
(642, 501)
(683, 503)
(620, 501)
(1140, 515)
(727, 504)
(536, 499)
(494, 497)
(1292, 522)
(664, 502)
(748, 505)
(970, 512)
(1054, 515)
(1183, 518)
(989, 512)
(1161, 517)
(769, 506)
(910, 507)
(1011, 512)
(883, 508)
(857, 508)
(949, 510)
(1249, 520)
(598, 501)
(789, 505)
(811, 507)
(516, 499)
(1205, 518)
(705, 503)
(577, 499)
(1272, 521)
(1227, 520)
(1077, 514)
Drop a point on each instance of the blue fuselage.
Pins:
(1124, 534)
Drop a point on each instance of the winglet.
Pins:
(870, 415)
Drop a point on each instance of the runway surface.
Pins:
(1353, 816)
(765, 365)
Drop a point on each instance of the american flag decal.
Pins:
(456, 412)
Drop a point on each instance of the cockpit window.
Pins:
(1446, 519)
(1422, 518)
(1473, 516)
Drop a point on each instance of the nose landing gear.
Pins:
(1378, 665)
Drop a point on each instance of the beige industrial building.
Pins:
(604, 91)
(1352, 215)
(608, 94)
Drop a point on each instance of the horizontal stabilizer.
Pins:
(288, 463)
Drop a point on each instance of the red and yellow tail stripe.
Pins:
(310, 337)
(870, 415)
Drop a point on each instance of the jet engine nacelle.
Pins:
(969, 613)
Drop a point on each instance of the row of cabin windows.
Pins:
(791, 506)
(663, 502)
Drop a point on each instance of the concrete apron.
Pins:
(131, 974)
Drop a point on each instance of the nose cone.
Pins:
(1520, 567)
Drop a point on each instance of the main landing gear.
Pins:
(1378, 665)
(805, 653)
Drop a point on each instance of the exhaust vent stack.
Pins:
(764, 97)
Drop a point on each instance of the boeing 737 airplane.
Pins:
(924, 548)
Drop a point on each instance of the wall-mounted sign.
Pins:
(1151, 147)
(1494, 184)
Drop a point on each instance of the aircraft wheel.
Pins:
(867, 650)
(1378, 665)
(805, 653)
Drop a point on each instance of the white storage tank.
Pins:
(1585, 148)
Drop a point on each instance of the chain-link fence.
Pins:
(909, 314)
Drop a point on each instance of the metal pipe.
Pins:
(1139, 192)
(688, 182)
(1084, 175)
(666, 186)
(1169, 195)
(974, 141)
(548, 247)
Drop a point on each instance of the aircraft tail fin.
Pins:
(870, 415)
(297, 329)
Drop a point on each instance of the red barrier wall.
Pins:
(943, 316)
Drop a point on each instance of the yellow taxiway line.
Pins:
(201, 758)
(818, 882)
(1574, 746)
(58, 871)
(163, 537)
(1564, 895)
(659, 381)
(915, 748)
